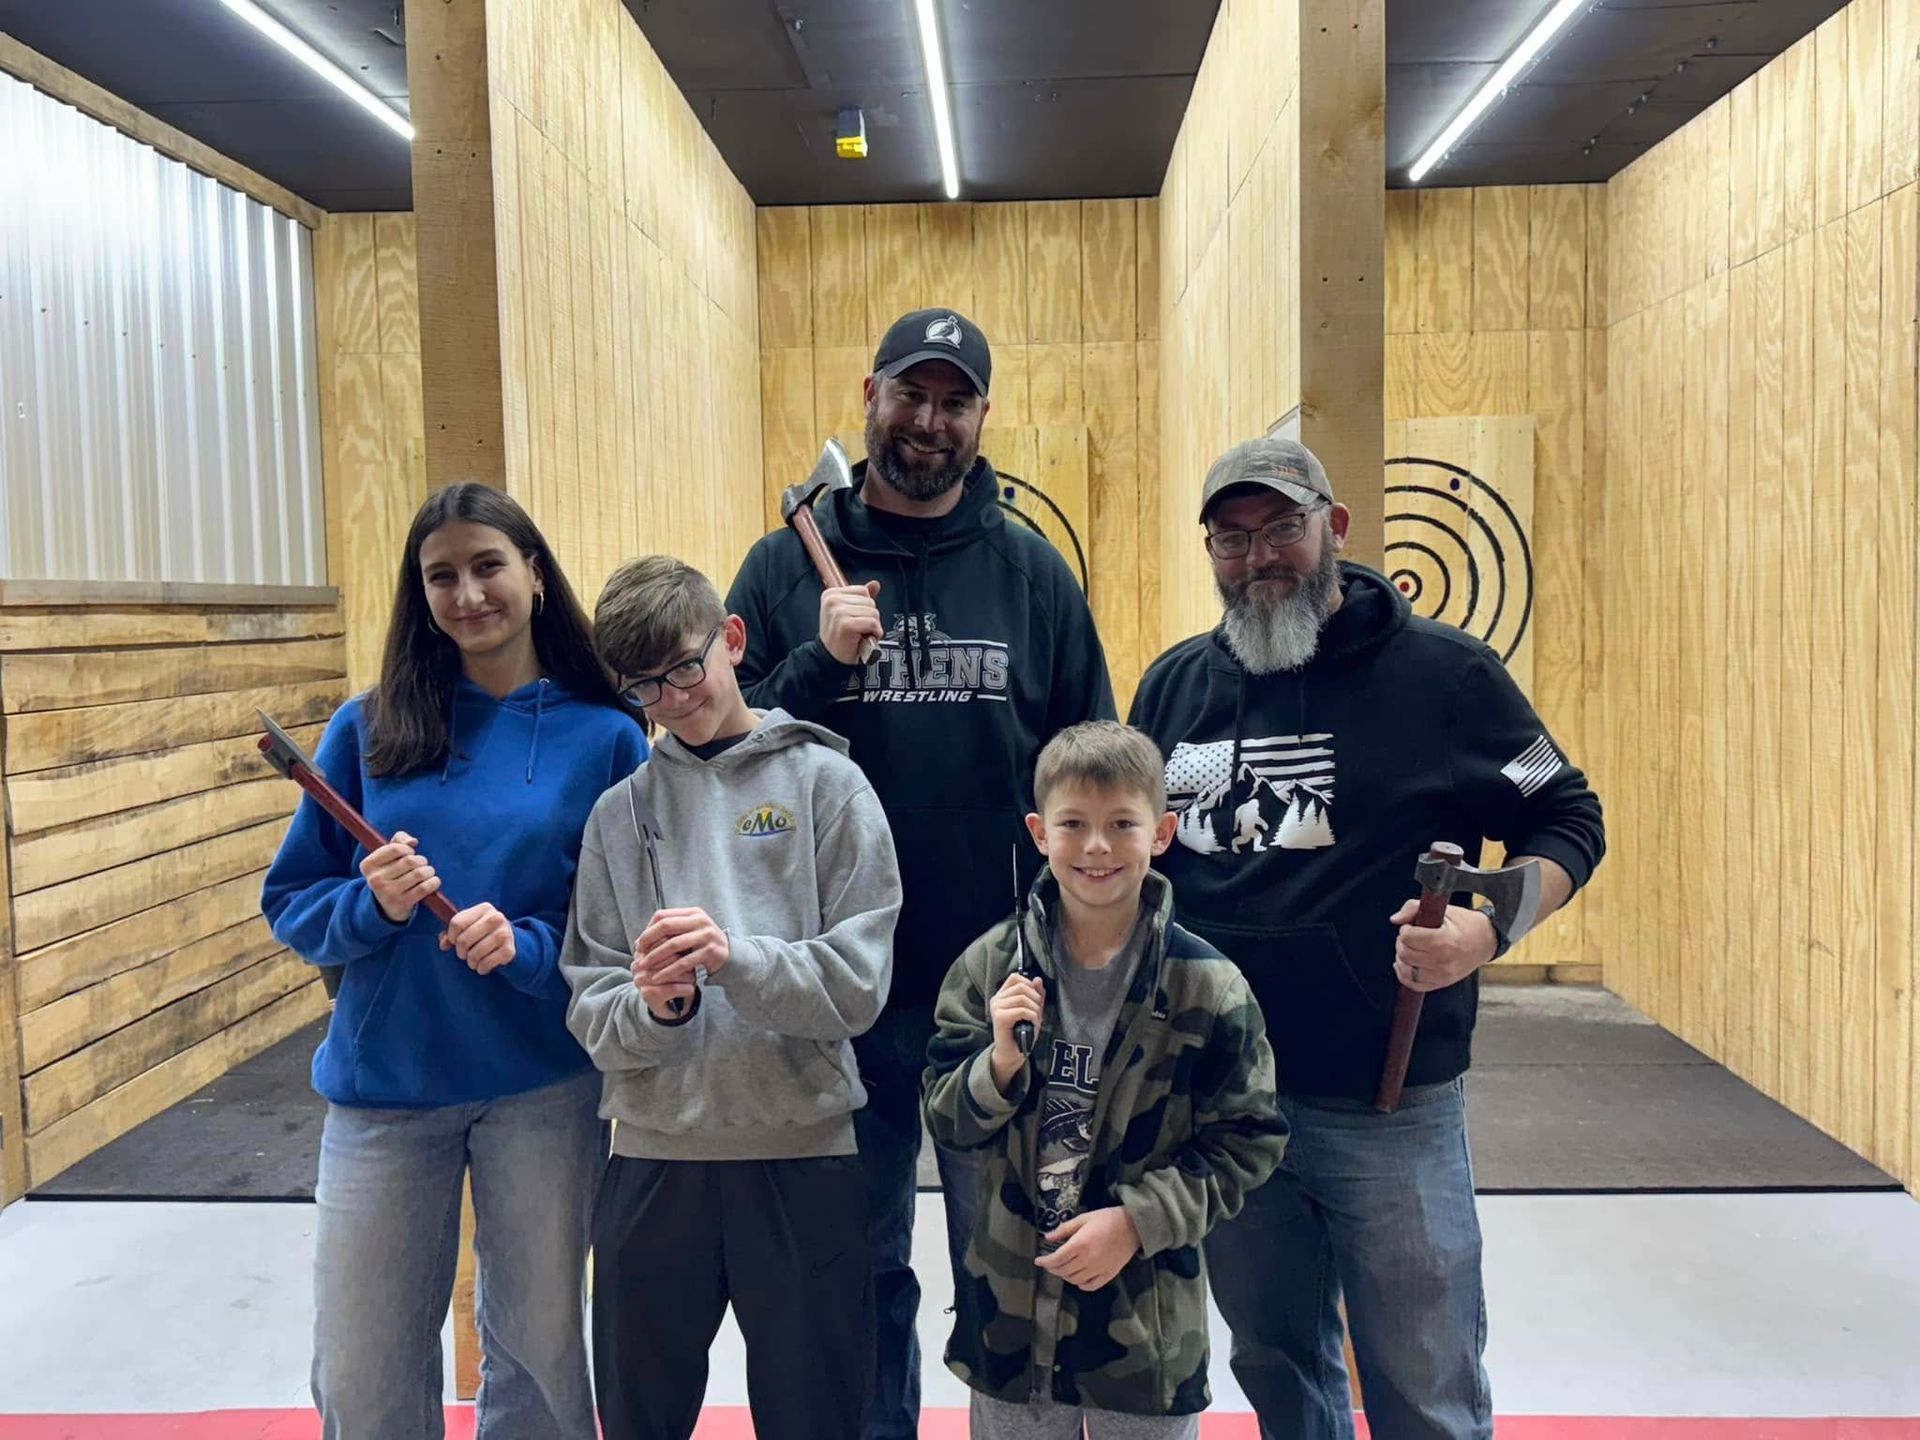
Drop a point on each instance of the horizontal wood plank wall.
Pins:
(1066, 293)
(1271, 260)
(628, 315)
(1496, 305)
(1757, 617)
(140, 818)
(367, 303)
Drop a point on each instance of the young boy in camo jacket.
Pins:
(1142, 1118)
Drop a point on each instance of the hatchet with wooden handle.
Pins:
(1513, 890)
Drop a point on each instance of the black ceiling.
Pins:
(1052, 98)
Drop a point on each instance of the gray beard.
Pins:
(1282, 632)
(911, 481)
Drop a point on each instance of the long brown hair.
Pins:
(407, 712)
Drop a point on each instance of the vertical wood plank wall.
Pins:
(367, 299)
(1271, 253)
(1065, 291)
(1496, 305)
(140, 820)
(1756, 667)
(629, 316)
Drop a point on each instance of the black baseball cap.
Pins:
(937, 334)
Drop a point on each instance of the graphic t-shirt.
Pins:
(1089, 1004)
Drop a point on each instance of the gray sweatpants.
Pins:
(1048, 1420)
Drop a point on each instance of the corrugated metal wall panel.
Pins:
(159, 400)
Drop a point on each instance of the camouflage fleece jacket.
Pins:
(1185, 1125)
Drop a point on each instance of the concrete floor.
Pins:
(1662, 1306)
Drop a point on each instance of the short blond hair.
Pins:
(647, 610)
(1106, 755)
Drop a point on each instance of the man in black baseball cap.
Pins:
(984, 650)
(926, 405)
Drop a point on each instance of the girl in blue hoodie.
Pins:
(481, 751)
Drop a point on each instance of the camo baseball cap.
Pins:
(1284, 466)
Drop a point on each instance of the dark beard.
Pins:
(1268, 635)
(913, 482)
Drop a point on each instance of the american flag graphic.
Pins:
(1534, 766)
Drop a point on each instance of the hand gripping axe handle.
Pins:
(1514, 891)
(830, 472)
(648, 824)
(286, 756)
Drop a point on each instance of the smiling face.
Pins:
(923, 429)
(1099, 842)
(480, 589)
(710, 707)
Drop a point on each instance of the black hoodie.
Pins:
(1294, 879)
(990, 650)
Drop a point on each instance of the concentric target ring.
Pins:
(1457, 551)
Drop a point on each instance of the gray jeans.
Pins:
(1047, 1420)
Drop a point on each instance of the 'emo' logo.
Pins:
(767, 820)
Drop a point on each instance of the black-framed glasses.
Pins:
(1279, 533)
(688, 673)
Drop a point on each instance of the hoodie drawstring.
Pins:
(533, 745)
(453, 729)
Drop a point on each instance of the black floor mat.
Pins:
(1571, 1092)
(253, 1134)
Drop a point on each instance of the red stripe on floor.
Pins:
(732, 1423)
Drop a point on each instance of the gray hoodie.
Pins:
(782, 841)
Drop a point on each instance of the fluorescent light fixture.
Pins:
(1550, 25)
(321, 66)
(936, 95)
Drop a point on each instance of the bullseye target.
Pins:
(1458, 552)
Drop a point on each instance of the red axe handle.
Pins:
(1407, 1004)
(831, 575)
(329, 800)
(808, 529)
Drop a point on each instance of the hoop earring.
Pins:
(539, 602)
(431, 626)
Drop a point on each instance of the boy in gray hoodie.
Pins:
(732, 930)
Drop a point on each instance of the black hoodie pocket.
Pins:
(1320, 1017)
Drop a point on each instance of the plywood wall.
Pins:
(367, 304)
(1065, 291)
(140, 821)
(1756, 626)
(1496, 305)
(1271, 243)
(628, 310)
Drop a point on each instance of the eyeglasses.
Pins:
(688, 673)
(1278, 533)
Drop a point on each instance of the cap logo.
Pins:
(945, 330)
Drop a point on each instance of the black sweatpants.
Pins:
(784, 1240)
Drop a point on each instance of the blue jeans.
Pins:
(893, 1057)
(388, 1239)
(1379, 1207)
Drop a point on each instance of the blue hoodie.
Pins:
(501, 821)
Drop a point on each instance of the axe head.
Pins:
(644, 817)
(1512, 890)
(830, 472)
(281, 750)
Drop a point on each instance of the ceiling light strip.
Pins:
(1550, 25)
(937, 96)
(321, 66)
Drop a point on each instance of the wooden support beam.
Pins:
(461, 392)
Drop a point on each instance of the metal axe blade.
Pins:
(830, 472)
(283, 752)
(1512, 890)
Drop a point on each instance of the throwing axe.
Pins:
(648, 824)
(830, 472)
(283, 752)
(1514, 893)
